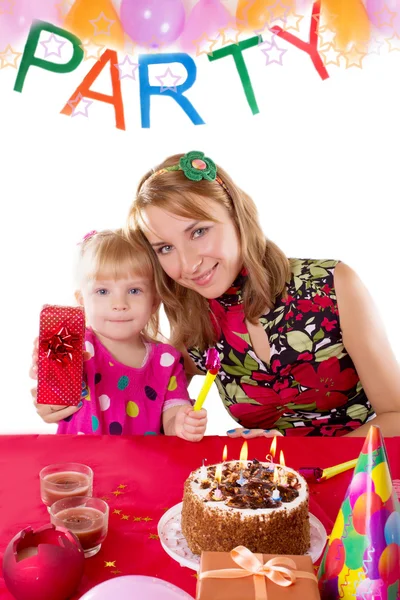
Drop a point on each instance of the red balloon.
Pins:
(334, 559)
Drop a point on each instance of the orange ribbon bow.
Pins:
(280, 570)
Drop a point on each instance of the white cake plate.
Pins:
(174, 542)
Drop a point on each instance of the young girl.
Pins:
(301, 345)
(132, 384)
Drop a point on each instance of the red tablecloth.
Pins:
(153, 469)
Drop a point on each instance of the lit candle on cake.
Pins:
(243, 463)
(270, 457)
(282, 478)
(225, 454)
(218, 474)
(203, 472)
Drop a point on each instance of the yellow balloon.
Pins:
(337, 530)
(349, 19)
(383, 484)
(257, 14)
(348, 581)
(96, 21)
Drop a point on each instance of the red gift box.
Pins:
(60, 363)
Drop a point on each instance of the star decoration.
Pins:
(102, 21)
(116, 572)
(330, 55)
(9, 58)
(121, 486)
(104, 498)
(273, 53)
(385, 17)
(129, 46)
(74, 105)
(276, 12)
(394, 43)
(6, 7)
(195, 575)
(147, 519)
(91, 49)
(125, 517)
(116, 511)
(354, 57)
(293, 22)
(126, 68)
(153, 536)
(204, 45)
(54, 44)
(137, 518)
(326, 36)
(375, 46)
(63, 8)
(168, 75)
(117, 493)
(229, 35)
(109, 563)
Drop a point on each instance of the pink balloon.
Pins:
(385, 15)
(153, 22)
(136, 586)
(206, 18)
(16, 18)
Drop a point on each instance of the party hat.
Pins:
(362, 557)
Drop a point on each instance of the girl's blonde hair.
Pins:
(267, 266)
(116, 255)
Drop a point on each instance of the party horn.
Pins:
(318, 475)
(213, 365)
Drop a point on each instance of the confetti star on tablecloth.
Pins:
(330, 55)
(127, 68)
(117, 511)
(100, 23)
(293, 21)
(394, 43)
(117, 493)
(105, 498)
(153, 536)
(109, 563)
(195, 575)
(354, 57)
(204, 45)
(52, 46)
(137, 518)
(7, 7)
(91, 49)
(79, 100)
(116, 572)
(147, 519)
(384, 17)
(122, 486)
(229, 35)
(124, 517)
(273, 53)
(166, 78)
(9, 58)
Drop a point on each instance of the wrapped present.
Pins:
(60, 361)
(242, 575)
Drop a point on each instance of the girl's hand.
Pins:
(53, 414)
(252, 433)
(190, 424)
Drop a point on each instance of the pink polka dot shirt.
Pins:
(121, 400)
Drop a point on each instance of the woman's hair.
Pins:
(117, 255)
(267, 266)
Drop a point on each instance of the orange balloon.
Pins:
(258, 14)
(96, 21)
(349, 19)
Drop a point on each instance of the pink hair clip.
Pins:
(88, 235)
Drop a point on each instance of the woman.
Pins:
(301, 347)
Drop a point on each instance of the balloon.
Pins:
(129, 587)
(257, 14)
(153, 22)
(205, 21)
(16, 21)
(386, 22)
(96, 21)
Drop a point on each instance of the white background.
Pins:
(321, 161)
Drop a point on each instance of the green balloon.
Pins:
(354, 545)
(365, 463)
(392, 591)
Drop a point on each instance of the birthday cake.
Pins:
(263, 507)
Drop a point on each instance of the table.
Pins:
(141, 477)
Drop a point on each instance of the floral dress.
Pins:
(310, 387)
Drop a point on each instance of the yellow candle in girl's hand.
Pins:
(213, 365)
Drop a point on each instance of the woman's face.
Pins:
(203, 256)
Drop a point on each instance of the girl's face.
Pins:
(203, 256)
(118, 309)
